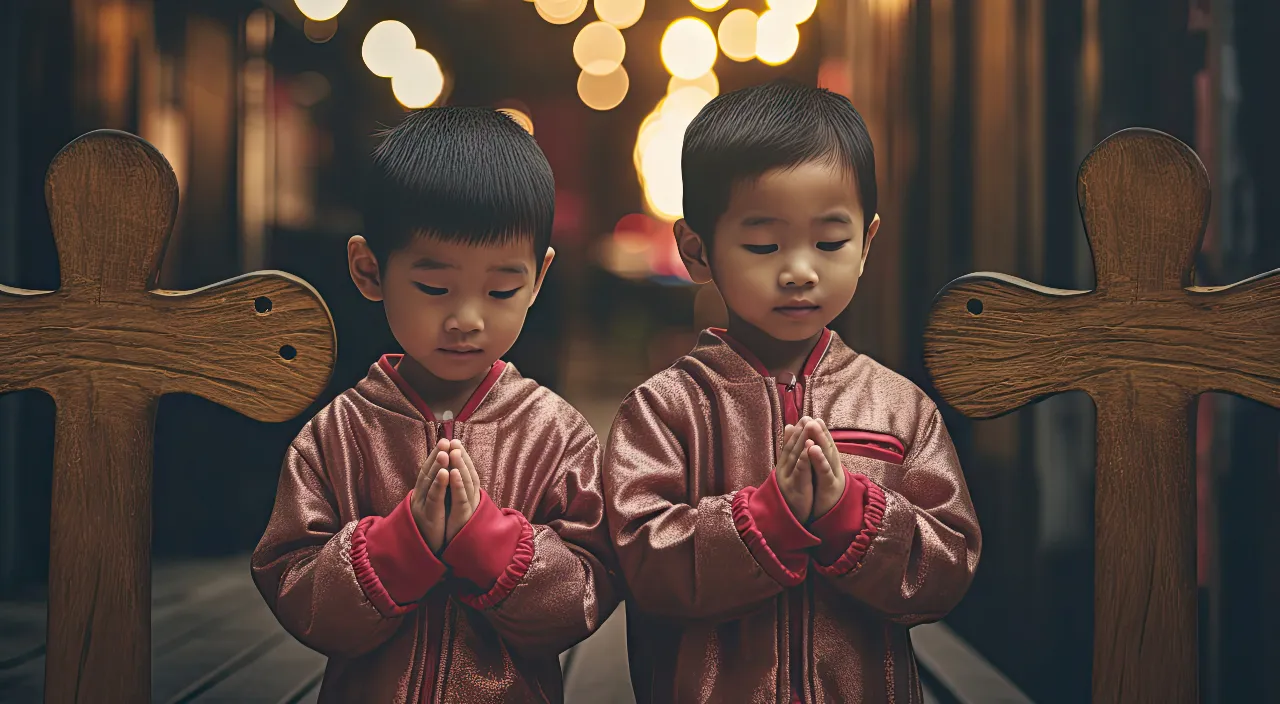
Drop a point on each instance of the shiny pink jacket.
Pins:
(346, 571)
(731, 599)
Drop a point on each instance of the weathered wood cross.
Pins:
(1143, 344)
(106, 347)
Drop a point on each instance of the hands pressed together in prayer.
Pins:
(809, 471)
(440, 514)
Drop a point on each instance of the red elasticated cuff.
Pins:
(872, 516)
(514, 572)
(772, 534)
(489, 545)
(392, 562)
(842, 523)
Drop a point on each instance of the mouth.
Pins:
(798, 309)
(460, 352)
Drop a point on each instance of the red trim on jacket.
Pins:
(849, 527)
(392, 562)
(810, 363)
(390, 364)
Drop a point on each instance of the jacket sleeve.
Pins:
(714, 560)
(544, 586)
(910, 554)
(341, 588)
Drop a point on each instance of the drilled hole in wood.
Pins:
(974, 306)
(288, 352)
(262, 304)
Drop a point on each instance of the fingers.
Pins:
(437, 461)
(792, 446)
(803, 462)
(461, 500)
(435, 496)
(818, 460)
(458, 464)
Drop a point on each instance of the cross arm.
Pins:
(1242, 354)
(22, 313)
(992, 343)
(262, 344)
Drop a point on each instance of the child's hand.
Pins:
(828, 474)
(427, 503)
(464, 485)
(795, 481)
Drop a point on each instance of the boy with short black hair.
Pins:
(438, 530)
(782, 507)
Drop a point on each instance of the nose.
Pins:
(466, 320)
(798, 271)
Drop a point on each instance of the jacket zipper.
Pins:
(792, 397)
(437, 602)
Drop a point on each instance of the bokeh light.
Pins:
(603, 92)
(387, 46)
(680, 107)
(599, 48)
(708, 5)
(620, 13)
(688, 48)
(707, 82)
(319, 32)
(320, 10)
(419, 81)
(560, 11)
(777, 38)
(737, 34)
(796, 11)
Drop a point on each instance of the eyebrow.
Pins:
(429, 264)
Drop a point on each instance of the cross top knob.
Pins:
(83, 212)
(1142, 244)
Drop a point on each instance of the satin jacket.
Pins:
(731, 599)
(346, 571)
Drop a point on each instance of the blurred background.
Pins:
(981, 111)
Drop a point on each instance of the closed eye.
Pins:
(832, 246)
(761, 248)
(504, 294)
(430, 290)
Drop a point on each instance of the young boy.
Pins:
(438, 530)
(782, 507)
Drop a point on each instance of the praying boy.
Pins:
(782, 507)
(439, 529)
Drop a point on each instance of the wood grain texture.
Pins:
(106, 347)
(1142, 344)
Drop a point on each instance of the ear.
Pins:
(542, 273)
(693, 252)
(363, 266)
(872, 229)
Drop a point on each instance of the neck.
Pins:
(776, 355)
(440, 395)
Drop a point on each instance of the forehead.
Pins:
(812, 185)
(514, 255)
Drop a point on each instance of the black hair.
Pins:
(462, 174)
(741, 135)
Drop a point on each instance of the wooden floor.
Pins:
(213, 640)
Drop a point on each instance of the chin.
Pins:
(449, 369)
(793, 331)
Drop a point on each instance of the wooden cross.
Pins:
(1143, 344)
(106, 346)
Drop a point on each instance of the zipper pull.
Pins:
(789, 380)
